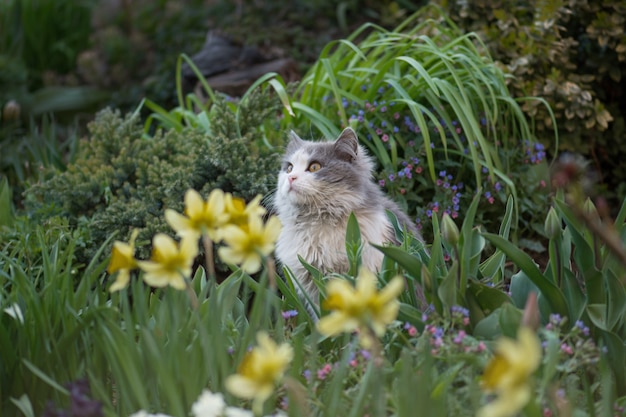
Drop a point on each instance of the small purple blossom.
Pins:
(289, 313)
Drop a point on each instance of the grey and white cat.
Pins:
(319, 185)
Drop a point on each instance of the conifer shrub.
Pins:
(123, 179)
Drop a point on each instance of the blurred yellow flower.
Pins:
(361, 307)
(247, 246)
(239, 214)
(201, 217)
(122, 261)
(508, 373)
(170, 263)
(260, 370)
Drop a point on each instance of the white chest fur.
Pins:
(322, 244)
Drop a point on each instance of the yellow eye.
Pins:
(315, 166)
(289, 168)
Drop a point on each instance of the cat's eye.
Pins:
(289, 168)
(314, 167)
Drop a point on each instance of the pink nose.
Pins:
(292, 178)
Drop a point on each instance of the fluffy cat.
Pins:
(319, 185)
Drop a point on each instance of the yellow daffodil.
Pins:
(170, 263)
(361, 307)
(508, 374)
(247, 246)
(261, 369)
(201, 217)
(122, 261)
(239, 214)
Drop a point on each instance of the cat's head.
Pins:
(324, 174)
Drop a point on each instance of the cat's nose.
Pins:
(292, 178)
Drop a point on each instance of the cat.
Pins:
(319, 185)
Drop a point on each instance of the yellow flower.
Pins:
(239, 214)
(122, 261)
(247, 246)
(509, 372)
(260, 370)
(361, 307)
(202, 217)
(170, 263)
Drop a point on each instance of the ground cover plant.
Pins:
(137, 323)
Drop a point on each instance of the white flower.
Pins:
(208, 405)
(144, 413)
(237, 412)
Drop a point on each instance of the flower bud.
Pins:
(590, 211)
(449, 230)
(11, 111)
(552, 225)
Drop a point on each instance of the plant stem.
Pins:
(208, 256)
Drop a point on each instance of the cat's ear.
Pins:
(294, 142)
(347, 145)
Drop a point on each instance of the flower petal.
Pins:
(122, 280)
(336, 323)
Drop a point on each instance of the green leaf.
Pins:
(6, 216)
(510, 318)
(553, 295)
(489, 327)
(41, 375)
(493, 267)
(487, 298)
(616, 302)
(353, 244)
(576, 299)
(411, 263)
(448, 289)
(25, 406)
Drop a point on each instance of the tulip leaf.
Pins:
(489, 327)
(487, 298)
(616, 357)
(448, 289)
(553, 295)
(467, 245)
(353, 244)
(616, 302)
(576, 299)
(410, 263)
(510, 318)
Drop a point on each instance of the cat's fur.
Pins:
(314, 207)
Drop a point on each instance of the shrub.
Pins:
(122, 179)
(573, 55)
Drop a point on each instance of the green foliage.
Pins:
(151, 349)
(122, 180)
(44, 35)
(572, 54)
(583, 279)
(47, 311)
(435, 110)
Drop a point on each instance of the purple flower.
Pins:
(289, 313)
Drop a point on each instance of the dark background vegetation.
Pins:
(60, 61)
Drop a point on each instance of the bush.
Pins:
(573, 55)
(122, 179)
